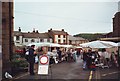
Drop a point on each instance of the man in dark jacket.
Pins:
(89, 60)
(85, 58)
(31, 59)
(59, 55)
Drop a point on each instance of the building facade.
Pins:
(52, 36)
(25, 38)
(60, 37)
(76, 40)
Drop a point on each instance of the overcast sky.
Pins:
(74, 17)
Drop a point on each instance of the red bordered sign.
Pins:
(44, 59)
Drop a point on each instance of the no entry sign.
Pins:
(43, 65)
(44, 59)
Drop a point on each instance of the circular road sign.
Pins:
(44, 59)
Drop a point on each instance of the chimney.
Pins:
(33, 30)
(37, 31)
(62, 29)
(50, 28)
(19, 29)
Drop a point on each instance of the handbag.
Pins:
(36, 59)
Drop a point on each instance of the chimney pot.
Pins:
(37, 31)
(34, 30)
(62, 29)
(19, 29)
(50, 28)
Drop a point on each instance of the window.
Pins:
(64, 41)
(58, 36)
(17, 42)
(37, 41)
(48, 40)
(59, 41)
(17, 38)
(32, 40)
(41, 40)
(70, 42)
(26, 40)
(63, 36)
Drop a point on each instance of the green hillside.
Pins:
(90, 36)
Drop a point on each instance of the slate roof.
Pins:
(31, 35)
(75, 38)
(57, 32)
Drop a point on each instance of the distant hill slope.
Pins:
(90, 36)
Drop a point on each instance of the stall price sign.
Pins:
(43, 65)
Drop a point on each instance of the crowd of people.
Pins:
(56, 55)
(90, 58)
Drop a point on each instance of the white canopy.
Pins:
(99, 44)
(44, 44)
(67, 46)
(78, 47)
(118, 43)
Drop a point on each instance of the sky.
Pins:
(72, 16)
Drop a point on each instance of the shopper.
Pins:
(31, 59)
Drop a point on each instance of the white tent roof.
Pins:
(44, 44)
(67, 46)
(99, 44)
(78, 47)
(118, 43)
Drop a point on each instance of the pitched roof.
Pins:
(17, 33)
(31, 35)
(57, 32)
(75, 38)
(36, 35)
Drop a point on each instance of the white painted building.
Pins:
(22, 38)
(76, 40)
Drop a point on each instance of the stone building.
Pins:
(7, 34)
